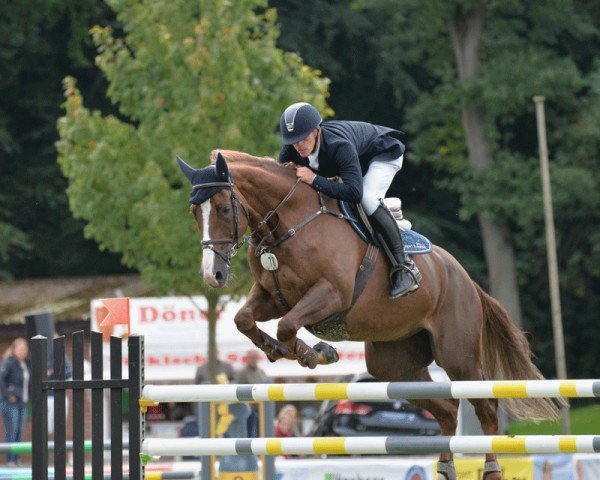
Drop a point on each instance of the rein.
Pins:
(261, 246)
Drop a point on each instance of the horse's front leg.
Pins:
(318, 303)
(260, 307)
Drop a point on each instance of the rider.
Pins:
(366, 157)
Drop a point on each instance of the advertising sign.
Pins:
(514, 468)
(175, 330)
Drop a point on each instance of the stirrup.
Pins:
(414, 271)
(408, 290)
(409, 267)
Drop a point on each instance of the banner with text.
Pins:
(176, 339)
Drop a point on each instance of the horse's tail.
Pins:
(507, 356)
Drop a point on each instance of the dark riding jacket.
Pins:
(346, 150)
(11, 379)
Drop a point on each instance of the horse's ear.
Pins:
(222, 168)
(187, 170)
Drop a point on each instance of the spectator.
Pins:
(252, 374)
(286, 423)
(221, 367)
(15, 375)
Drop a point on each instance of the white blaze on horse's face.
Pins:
(215, 271)
(208, 256)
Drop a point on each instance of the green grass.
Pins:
(584, 421)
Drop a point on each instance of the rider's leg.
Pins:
(406, 277)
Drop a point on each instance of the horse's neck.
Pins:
(264, 190)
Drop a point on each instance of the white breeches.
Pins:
(377, 181)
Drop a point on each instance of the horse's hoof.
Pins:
(327, 352)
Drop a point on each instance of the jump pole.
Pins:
(530, 444)
(152, 394)
(150, 475)
(26, 447)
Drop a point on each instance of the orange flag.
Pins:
(115, 312)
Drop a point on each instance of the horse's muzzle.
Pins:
(217, 274)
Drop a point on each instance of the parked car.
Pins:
(345, 418)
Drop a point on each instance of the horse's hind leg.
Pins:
(460, 356)
(445, 412)
(407, 360)
(487, 413)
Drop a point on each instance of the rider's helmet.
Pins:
(297, 121)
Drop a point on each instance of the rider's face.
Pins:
(307, 146)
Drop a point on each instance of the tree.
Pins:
(187, 77)
(478, 64)
(41, 42)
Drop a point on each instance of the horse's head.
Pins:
(220, 216)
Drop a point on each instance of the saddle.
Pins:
(414, 243)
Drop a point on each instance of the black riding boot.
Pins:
(405, 277)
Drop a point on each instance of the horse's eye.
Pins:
(224, 211)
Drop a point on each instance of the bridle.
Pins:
(227, 255)
(260, 247)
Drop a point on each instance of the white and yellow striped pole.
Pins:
(532, 444)
(371, 391)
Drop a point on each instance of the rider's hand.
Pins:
(305, 174)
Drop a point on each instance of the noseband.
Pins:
(227, 255)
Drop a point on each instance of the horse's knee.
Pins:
(286, 331)
(244, 320)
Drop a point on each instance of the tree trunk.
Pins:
(466, 29)
(212, 298)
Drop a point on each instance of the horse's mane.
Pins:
(232, 156)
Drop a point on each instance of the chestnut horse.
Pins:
(314, 259)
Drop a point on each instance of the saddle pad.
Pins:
(414, 243)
